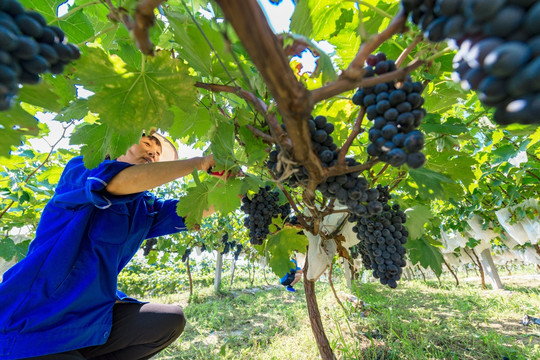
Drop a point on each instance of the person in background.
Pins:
(292, 277)
(61, 301)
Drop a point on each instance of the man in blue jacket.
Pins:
(60, 301)
(292, 277)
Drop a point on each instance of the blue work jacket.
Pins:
(60, 297)
(292, 271)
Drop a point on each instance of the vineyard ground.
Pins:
(419, 320)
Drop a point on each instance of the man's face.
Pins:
(146, 151)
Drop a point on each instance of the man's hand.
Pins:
(206, 162)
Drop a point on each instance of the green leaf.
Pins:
(281, 246)
(222, 145)
(421, 251)
(99, 140)
(192, 205)
(417, 217)
(224, 196)
(255, 147)
(138, 99)
(7, 249)
(42, 95)
(15, 123)
(429, 182)
(503, 154)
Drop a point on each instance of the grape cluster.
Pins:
(321, 142)
(231, 246)
(260, 210)
(28, 48)
(396, 111)
(186, 254)
(499, 54)
(381, 240)
(353, 191)
(149, 246)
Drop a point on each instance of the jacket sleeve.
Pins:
(80, 186)
(166, 220)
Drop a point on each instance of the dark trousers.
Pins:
(139, 331)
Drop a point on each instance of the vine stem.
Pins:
(354, 73)
(90, 39)
(372, 7)
(39, 167)
(260, 106)
(357, 129)
(333, 289)
(408, 50)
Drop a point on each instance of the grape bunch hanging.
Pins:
(396, 112)
(231, 246)
(349, 189)
(382, 237)
(260, 210)
(28, 48)
(499, 50)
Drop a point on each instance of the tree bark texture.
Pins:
(325, 350)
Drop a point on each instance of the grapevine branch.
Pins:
(333, 289)
(260, 106)
(139, 24)
(350, 77)
(340, 85)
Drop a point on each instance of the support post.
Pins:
(219, 268)
(491, 270)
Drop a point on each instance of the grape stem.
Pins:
(408, 50)
(333, 289)
(372, 7)
(291, 201)
(357, 129)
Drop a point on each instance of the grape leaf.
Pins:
(99, 140)
(14, 125)
(222, 145)
(255, 147)
(224, 196)
(7, 249)
(134, 99)
(281, 246)
(421, 251)
(430, 182)
(192, 205)
(417, 216)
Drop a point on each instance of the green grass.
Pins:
(418, 320)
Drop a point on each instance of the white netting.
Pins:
(452, 240)
(501, 257)
(320, 255)
(350, 236)
(477, 233)
(197, 250)
(452, 259)
(516, 230)
(531, 226)
(528, 256)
